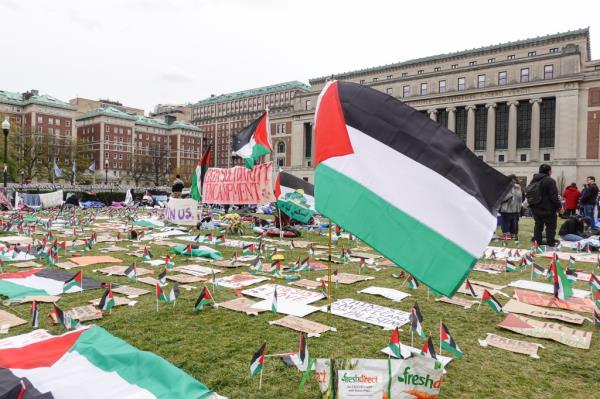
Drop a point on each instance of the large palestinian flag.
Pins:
(18, 285)
(253, 141)
(90, 363)
(295, 197)
(405, 185)
(198, 177)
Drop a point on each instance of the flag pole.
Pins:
(329, 266)
(260, 379)
(440, 336)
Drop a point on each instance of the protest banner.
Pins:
(181, 211)
(584, 305)
(311, 328)
(243, 305)
(513, 306)
(237, 281)
(512, 345)
(416, 377)
(541, 329)
(51, 200)
(238, 185)
(284, 293)
(382, 316)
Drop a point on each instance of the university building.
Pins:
(515, 104)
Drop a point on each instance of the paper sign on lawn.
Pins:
(584, 305)
(382, 316)
(512, 345)
(513, 306)
(237, 281)
(388, 293)
(181, 211)
(284, 293)
(238, 185)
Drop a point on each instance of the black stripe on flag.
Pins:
(243, 137)
(296, 183)
(414, 135)
(88, 283)
(10, 383)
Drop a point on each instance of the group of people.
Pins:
(543, 200)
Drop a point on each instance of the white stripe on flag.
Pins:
(418, 191)
(310, 200)
(51, 286)
(246, 150)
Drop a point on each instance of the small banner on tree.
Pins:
(238, 185)
(182, 211)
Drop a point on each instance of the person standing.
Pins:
(589, 197)
(510, 209)
(571, 196)
(542, 197)
(177, 187)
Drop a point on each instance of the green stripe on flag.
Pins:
(258, 150)
(416, 248)
(16, 291)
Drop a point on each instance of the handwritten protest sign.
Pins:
(584, 305)
(237, 281)
(284, 293)
(312, 328)
(242, 305)
(382, 316)
(181, 211)
(238, 185)
(512, 345)
(513, 306)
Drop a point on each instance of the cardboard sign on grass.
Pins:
(67, 265)
(311, 328)
(130, 292)
(243, 305)
(26, 264)
(286, 307)
(284, 293)
(185, 278)
(365, 312)
(512, 345)
(308, 284)
(407, 351)
(348, 278)
(85, 313)
(513, 306)
(41, 298)
(541, 329)
(94, 260)
(583, 305)
(490, 268)
(388, 293)
(241, 280)
(197, 270)
(120, 271)
(119, 301)
(8, 320)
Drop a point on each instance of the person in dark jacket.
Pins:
(574, 228)
(544, 212)
(571, 196)
(589, 197)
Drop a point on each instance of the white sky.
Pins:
(144, 52)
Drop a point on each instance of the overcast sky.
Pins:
(144, 52)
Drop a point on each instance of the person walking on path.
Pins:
(542, 197)
(571, 196)
(589, 198)
(510, 209)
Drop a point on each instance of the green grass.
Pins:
(215, 346)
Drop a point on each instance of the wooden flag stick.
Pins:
(329, 266)
(260, 379)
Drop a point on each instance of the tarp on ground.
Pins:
(18, 285)
(51, 200)
(148, 223)
(91, 363)
(197, 251)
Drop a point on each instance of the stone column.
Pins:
(432, 114)
(451, 118)
(490, 139)
(512, 131)
(471, 127)
(535, 129)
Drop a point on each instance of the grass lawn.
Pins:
(215, 346)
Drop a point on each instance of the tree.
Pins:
(159, 163)
(138, 167)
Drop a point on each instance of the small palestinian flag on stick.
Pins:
(147, 254)
(447, 342)
(74, 284)
(416, 318)
(162, 278)
(537, 270)
(394, 344)
(248, 249)
(56, 315)
(274, 301)
(594, 282)
(174, 293)
(131, 272)
(204, 298)
(490, 300)
(303, 352)
(258, 266)
(160, 295)
(107, 301)
(361, 265)
(169, 263)
(256, 364)
(562, 285)
(35, 315)
(510, 266)
(253, 141)
(189, 250)
(427, 350)
(323, 288)
(597, 299)
(469, 288)
(412, 282)
(596, 318)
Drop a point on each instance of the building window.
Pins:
(480, 81)
(502, 78)
(281, 147)
(442, 86)
(461, 123)
(389, 77)
(501, 158)
(523, 158)
(420, 72)
(437, 69)
(524, 124)
(389, 91)
(548, 71)
(472, 63)
(547, 122)
(461, 84)
(524, 75)
(501, 138)
(305, 179)
(491, 60)
(480, 127)
(454, 66)
(308, 105)
(546, 156)
(510, 57)
(40, 119)
(442, 117)
(531, 54)
(404, 74)
(423, 89)
(375, 79)
(280, 162)
(307, 140)
(553, 50)
(406, 91)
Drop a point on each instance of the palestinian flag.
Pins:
(258, 266)
(361, 265)
(248, 249)
(188, 250)
(169, 263)
(35, 315)
(57, 315)
(311, 250)
(256, 364)
(598, 261)
(571, 260)
(303, 351)
(416, 318)
(428, 350)
(412, 282)
(74, 284)
(276, 268)
(89, 363)
(394, 344)
(209, 238)
(18, 391)
(594, 282)
(295, 197)
(198, 177)
(536, 248)
(323, 288)
(20, 284)
(596, 318)
(494, 304)
(571, 274)
(160, 294)
(131, 272)
(253, 141)
(492, 255)
(537, 270)
(470, 289)
(204, 298)
(448, 342)
(174, 293)
(234, 259)
(107, 301)
(147, 254)
(365, 141)
(562, 285)
(274, 301)
(162, 278)
(510, 266)
(597, 299)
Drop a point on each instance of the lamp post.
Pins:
(5, 129)
(106, 172)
